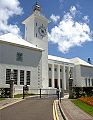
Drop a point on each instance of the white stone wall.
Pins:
(18, 87)
(77, 72)
(82, 73)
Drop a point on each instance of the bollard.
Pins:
(40, 93)
(60, 97)
(23, 92)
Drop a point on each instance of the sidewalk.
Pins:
(72, 112)
(8, 102)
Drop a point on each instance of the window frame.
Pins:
(28, 78)
(8, 77)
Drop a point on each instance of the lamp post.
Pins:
(12, 84)
(70, 84)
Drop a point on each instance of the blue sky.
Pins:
(70, 27)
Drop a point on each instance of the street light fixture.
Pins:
(70, 84)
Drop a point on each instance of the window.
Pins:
(8, 72)
(60, 83)
(55, 69)
(15, 76)
(50, 82)
(86, 82)
(56, 83)
(36, 34)
(27, 77)
(49, 69)
(19, 56)
(89, 81)
(60, 70)
(92, 82)
(36, 24)
(21, 77)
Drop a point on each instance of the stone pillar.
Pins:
(53, 75)
(12, 84)
(24, 77)
(59, 76)
(67, 76)
(18, 77)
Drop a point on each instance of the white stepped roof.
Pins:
(14, 39)
(78, 61)
(50, 57)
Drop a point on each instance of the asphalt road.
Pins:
(30, 109)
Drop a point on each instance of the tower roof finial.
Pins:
(37, 6)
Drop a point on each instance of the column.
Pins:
(64, 78)
(24, 77)
(68, 75)
(53, 75)
(18, 81)
(59, 76)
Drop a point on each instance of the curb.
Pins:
(62, 112)
(10, 104)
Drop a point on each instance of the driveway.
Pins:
(29, 109)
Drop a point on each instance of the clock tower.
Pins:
(36, 32)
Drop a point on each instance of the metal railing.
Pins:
(43, 93)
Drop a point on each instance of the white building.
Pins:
(22, 57)
(83, 73)
(31, 63)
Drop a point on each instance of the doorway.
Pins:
(56, 83)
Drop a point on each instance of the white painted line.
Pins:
(10, 104)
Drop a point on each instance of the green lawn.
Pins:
(18, 96)
(87, 108)
(2, 99)
(21, 95)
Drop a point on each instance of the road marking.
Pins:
(10, 104)
(55, 113)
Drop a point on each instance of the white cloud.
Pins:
(54, 18)
(69, 32)
(86, 19)
(9, 8)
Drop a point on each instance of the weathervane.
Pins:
(37, 1)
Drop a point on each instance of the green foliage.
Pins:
(85, 107)
(88, 91)
(79, 92)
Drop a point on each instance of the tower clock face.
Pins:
(42, 31)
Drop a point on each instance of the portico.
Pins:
(58, 73)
